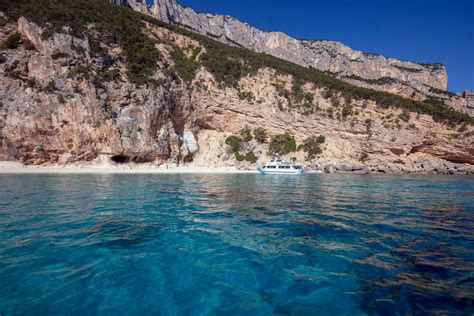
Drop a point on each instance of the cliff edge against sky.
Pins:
(419, 81)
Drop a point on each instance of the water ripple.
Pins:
(236, 244)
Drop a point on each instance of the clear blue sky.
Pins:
(415, 30)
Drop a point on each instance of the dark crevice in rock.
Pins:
(120, 159)
(397, 151)
(143, 159)
(459, 159)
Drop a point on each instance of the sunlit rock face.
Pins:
(418, 81)
(328, 56)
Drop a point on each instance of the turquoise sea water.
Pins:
(236, 245)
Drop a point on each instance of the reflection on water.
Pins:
(236, 244)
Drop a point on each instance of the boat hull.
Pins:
(282, 172)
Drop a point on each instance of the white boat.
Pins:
(278, 166)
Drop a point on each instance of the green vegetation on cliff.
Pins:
(116, 24)
(246, 134)
(111, 24)
(279, 144)
(311, 146)
(283, 144)
(238, 143)
(184, 66)
(260, 135)
(234, 143)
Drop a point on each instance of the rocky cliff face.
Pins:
(53, 112)
(419, 81)
(70, 99)
(415, 80)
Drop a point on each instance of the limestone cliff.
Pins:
(324, 55)
(80, 93)
(414, 80)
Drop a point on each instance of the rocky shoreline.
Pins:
(12, 167)
(422, 168)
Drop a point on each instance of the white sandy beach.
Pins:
(10, 167)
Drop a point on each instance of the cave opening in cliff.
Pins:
(120, 159)
(143, 159)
